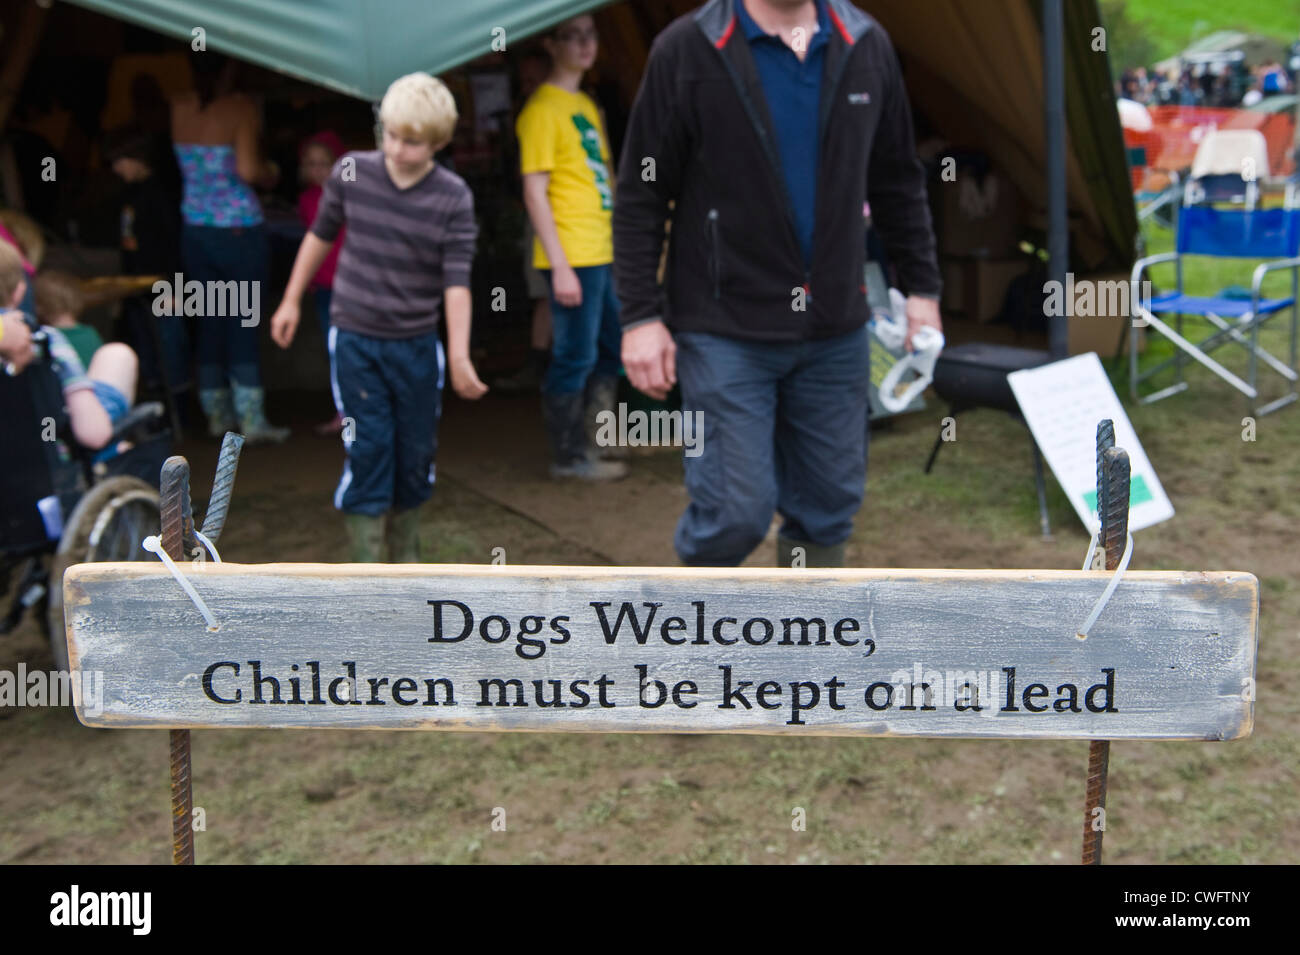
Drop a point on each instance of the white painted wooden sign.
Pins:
(944, 653)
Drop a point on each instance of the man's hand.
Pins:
(284, 323)
(650, 357)
(16, 342)
(921, 312)
(465, 380)
(568, 290)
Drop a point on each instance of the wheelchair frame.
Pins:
(92, 529)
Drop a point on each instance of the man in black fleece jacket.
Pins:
(761, 130)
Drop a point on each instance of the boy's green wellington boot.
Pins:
(219, 409)
(250, 407)
(404, 536)
(813, 555)
(365, 538)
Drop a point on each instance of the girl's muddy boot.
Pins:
(602, 395)
(250, 406)
(365, 538)
(568, 438)
(404, 536)
(219, 409)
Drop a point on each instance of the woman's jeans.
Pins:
(173, 336)
(231, 264)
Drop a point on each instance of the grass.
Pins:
(1172, 25)
(1203, 275)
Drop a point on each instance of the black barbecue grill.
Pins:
(974, 375)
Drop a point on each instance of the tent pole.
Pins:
(1058, 229)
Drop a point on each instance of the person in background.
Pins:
(1273, 79)
(315, 160)
(28, 303)
(150, 229)
(569, 195)
(58, 304)
(97, 395)
(406, 261)
(216, 132)
(765, 158)
(1143, 87)
(534, 67)
(1128, 84)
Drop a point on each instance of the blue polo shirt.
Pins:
(793, 90)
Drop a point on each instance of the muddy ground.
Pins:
(73, 794)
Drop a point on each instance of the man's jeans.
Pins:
(785, 429)
(588, 338)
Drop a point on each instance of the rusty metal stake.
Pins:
(1112, 509)
(180, 543)
(177, 540)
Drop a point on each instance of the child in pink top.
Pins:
(315, 160)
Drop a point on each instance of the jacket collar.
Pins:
(752, 31)
(717, 20)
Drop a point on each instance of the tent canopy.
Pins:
(975, 69)
(356, 47)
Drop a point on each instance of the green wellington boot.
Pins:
(365, 538)
(813, 555)
(219, 409)
(404, 536)
(250, 407)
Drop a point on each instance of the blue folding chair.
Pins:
(1242, 232)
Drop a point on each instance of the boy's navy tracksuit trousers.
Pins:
(391, 390)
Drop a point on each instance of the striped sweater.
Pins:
(402, 247)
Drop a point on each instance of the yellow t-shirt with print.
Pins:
(560, 132)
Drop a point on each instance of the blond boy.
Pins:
(405, 260)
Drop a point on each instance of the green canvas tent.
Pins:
(975, 68)
(356, 47)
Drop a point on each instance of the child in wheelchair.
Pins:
(70, 491)
(97, 396)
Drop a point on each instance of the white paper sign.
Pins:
(1062, 403)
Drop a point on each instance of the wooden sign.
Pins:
(944, 653)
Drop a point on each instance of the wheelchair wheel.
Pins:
(107, 524)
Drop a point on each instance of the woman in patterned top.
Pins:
(216, 133)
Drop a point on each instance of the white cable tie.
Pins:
(212, 548)
(1092, 549)
(1110, 588)
(154, 545)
